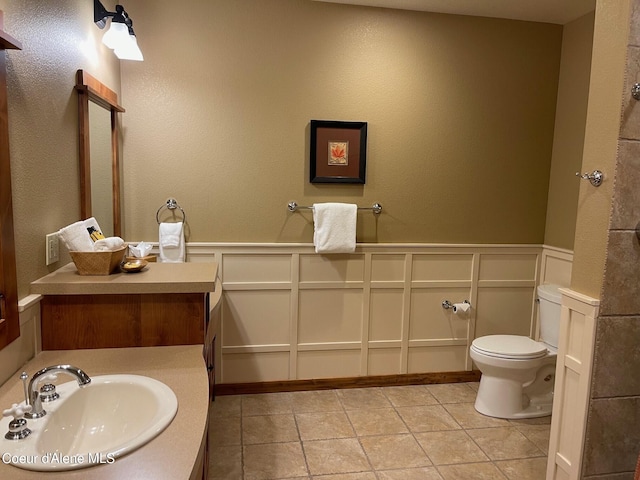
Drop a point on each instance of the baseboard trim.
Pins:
(348, 382)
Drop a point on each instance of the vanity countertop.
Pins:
(189, 277)
(170, 456)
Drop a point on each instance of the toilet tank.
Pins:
(549, 311)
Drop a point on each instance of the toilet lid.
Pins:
(510, 346)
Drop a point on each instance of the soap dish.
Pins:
(131, 266)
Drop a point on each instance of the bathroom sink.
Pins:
(92, 425)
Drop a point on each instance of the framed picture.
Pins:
(338, 152)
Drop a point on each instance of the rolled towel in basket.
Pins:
(76, 236)
(108, 244)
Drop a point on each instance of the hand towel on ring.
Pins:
(171, 242)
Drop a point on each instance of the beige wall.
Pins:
(57, 38)
(460, 113)
(611, 30)
(43, 119)
(568, 138)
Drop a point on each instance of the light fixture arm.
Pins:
(101, 14)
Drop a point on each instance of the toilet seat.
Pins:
(517, 347)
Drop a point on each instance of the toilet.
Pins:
(518, 373)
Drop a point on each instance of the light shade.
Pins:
(129, 50)
(120, 37)
(117, 35)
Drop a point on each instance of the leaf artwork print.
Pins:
(338, 153)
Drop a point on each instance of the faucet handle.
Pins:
(16, 411)
(18, 426)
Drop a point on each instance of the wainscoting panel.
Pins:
(290, 314)
(572, 384)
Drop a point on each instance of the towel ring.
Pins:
(171, 204)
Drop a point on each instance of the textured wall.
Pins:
(58, 38)
(460, 112)
(613, 440)
(568, 137)
(600, 145)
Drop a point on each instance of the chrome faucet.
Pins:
(34, 395)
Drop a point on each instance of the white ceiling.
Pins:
(547, 11)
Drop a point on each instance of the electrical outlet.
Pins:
(53, 249)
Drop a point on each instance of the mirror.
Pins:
(100, 166)
(99, 153)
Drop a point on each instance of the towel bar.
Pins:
(293, 206)
(171, 204)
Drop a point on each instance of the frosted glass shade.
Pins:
(117, 35)
(129, 50)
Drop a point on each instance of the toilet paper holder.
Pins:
(446, 304)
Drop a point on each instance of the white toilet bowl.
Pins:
(517, 376)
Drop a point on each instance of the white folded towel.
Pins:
(108, 244)
(334, 227)
(76, 236)
(171, 242)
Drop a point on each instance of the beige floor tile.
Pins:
(427, 418)
(450, 447)
(324, 425)
(410, 395)
(452, 392)
(504, 443)
(315, 401)
(335, 456)
(311, 436)
(348, 476)
(426, 473)
(273, 461)
(269, 429)
(226, 405)
(526, 469)
(225, 462)
(394, 451)
(225, 431)
(474, 385)
(376, 421)
(468, 417)
(538, 434)
(532, 421)
(356, 398)
(266, 404)
(471, 471)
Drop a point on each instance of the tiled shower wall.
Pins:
(613, 437)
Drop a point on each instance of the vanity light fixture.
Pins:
(120, 37)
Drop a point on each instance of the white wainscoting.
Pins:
(290, 314)
(571, 391)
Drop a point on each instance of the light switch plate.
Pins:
(52, 249)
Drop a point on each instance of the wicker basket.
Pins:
(97, 263)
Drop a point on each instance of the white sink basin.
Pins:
(92, 425)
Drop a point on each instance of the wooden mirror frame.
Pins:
(90, 88)
(9, 315)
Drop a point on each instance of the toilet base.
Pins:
(504, 398)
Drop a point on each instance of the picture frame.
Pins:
(338, 152)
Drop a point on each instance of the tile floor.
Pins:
(429, 432)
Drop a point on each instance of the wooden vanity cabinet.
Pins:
(167, 304)
(129, 320)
